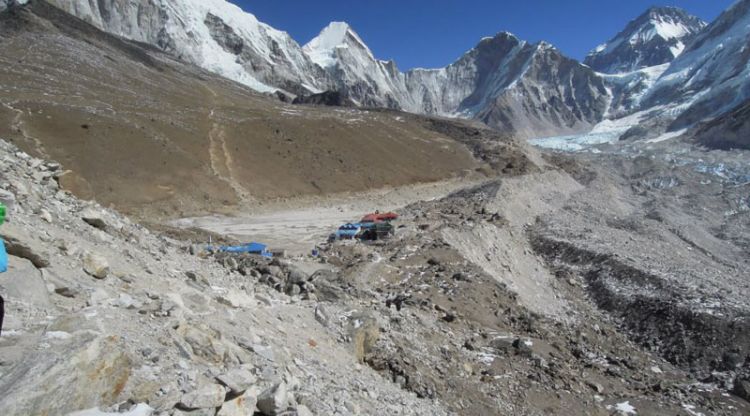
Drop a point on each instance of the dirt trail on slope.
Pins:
(220, 158)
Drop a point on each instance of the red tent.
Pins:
(378, 217)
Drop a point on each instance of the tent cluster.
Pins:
(375, 226)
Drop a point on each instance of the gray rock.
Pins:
(210, 396)
(204, 342)
(9, 200)
(264, 351)
(94, 218)
(96, 265)
(237, 380)
(595, 386)
(742, 389)
(19, 243)
(293, 290)
(243, 405)
(45, 215)
(302, 410)
(66, 292)
(23, 283)
(328, 291)
(296, 276)
(274, 400)
(101, 361)
(502, 344)
(275, 271)
(321, 315)
(126, 301)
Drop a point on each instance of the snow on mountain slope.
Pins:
(531, 90)
(654, 38)
(629, 89)
(712, 76)
(353, 69)
(213, 34)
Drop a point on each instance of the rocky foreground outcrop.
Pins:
(101, 313)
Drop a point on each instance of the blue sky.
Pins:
(433, 33)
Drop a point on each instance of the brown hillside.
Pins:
(152, 136)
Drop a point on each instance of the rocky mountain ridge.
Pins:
(502, 75)
(656, 37)
(531, 90)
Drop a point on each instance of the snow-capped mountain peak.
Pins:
(713, 73)
(656, 37)
(337, 35)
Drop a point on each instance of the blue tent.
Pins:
(251, 248)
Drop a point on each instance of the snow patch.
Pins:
(624, 408)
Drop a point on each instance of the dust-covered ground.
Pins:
(595, 284)
(297, 226)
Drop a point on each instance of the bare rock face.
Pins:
(93, 373)
(729, 131)
(545, 93)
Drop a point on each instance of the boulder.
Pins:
(94, 372)
(209, 396)
(241, 406)
(19, 243)
(237, 380)
(96, 265)
(94, 218)
(274, 400)
(297, 276)
(23, 283)
(502, 344)
(204, 342)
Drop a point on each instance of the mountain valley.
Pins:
(573, 238)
